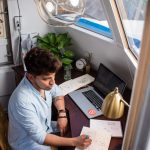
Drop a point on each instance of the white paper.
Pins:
(100, 139)
(69, 86)
(113, 127)
(74, 84)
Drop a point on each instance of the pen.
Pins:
(87, 137)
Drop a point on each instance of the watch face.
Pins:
(80, 64)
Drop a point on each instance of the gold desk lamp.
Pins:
(113, 105)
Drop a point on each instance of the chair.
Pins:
(3, 129)
(54, 148)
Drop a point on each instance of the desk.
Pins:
(76, 118)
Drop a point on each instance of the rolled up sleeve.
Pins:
(56, 91)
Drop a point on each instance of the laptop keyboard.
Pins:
(93, 98)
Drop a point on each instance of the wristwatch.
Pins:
(62, 111)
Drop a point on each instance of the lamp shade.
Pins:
(60, 12)
(113, 105)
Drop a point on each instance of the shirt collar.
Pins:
(28, 83)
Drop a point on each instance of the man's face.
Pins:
(44, 82)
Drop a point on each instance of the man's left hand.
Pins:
(62, 125)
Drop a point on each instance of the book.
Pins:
(100, 138)
(113, 127)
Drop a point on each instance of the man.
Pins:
(29, 107)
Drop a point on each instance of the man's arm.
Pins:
(62, 116)
(81, 141)
(59, 103)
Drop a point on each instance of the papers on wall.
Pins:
(100, 139)
(113, 127)
(74, 84)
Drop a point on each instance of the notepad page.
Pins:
(100, 139)
(113, 127)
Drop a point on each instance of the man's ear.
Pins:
(30, 76)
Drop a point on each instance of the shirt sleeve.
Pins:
(26, 116)
(56, 91)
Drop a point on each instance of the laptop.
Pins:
(90, 99)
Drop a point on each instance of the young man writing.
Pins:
(29, 107)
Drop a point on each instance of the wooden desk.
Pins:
(76, 118)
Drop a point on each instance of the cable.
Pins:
(18, 7)
(18, 56)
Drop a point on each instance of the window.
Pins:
(132, 13)
(95, 19)
(5, 48)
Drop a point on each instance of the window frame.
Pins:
(116, 26)
(137, 131)
(131, 47)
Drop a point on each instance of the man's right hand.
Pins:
(83, 141)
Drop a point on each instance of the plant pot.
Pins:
(67, 72)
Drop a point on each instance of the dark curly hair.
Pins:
(39, 61)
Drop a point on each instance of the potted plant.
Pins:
(58, 44)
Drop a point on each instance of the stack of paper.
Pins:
(74, 84)
(100, 138)
(100, 132)
(113, 127)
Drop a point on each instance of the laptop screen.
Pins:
(106, 81)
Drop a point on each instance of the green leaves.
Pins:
(52, 38)
(69, 54)
(56, 43)
(63, 40)
(42, 40)
(66, 61)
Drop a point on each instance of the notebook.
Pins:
(90, 99)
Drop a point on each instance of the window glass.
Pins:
(94, 19)
(132, 14)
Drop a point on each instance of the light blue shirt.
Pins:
(30, 116)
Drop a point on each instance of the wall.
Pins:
(30, 21)
(148, 143)
(104, 50)
(7, 84)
